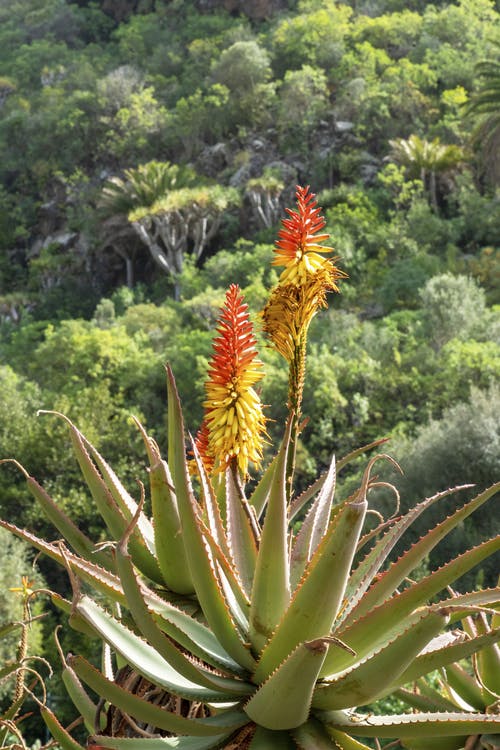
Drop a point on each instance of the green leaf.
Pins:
(158, 743)
(150, 713)
(465, 686)
(427, 699)
(363, 576)
(260, 495)
(266, 739)
(70, 532)
(435, 743)
(369, 679)
(142, 657)
(317, 599)
(203, 574)
(414, 725)
(488, 658)
(398, 571)
(241, 536)
(169, 544)
(313, 527)
(166, 649)
(271, 583)
(344, 741)
(284, 700)
(80, 698)
(58, 732)
(102, 579)
(439, 657)
(105, 498)
(299, 502)
(390, 617)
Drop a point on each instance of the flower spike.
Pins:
(299, 246)
(233, 411)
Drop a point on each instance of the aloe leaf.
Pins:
(389, 618)
(211, 504)
(80, 698)
(460, 605)
(317, 599)
(102, 579)
(150, 713)
(105, 499)
(370, 678)
(313, 526)
(158, 640)
(415, 725)
(311, 736)
(58, 732)
(241, 536)
(123, 499)
(203, 574)
(260, 495)
(440, 657)
(283, 701)
(299, 502)
(271, 583)
(158, 743)
(142, 657)
(465, 686)
(426, 699)
(236, 598)
(197, 639)
(266, 739)
(435, 743)
(363, 576)
(168, 542)
(398, 571)
(69, 530)
(488, 658)
(344, 741)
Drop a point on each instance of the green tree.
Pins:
(303, 101)
(183, 221)
(484, 105)
(139, 188)
(428, 161)
(453, 307)
(244, 69)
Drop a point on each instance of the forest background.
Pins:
(148, 152)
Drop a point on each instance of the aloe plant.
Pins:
(224, 628)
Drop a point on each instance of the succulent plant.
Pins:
(223, 625)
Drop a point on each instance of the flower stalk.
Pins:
(302, 289)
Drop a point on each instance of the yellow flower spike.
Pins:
(233, 412)
(298, 248)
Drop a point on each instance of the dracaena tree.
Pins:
(225, 622)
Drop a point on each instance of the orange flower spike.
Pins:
(233, 411)
(201, 442)
(298, 247)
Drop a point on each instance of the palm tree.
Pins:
(485, 105)
(427, 160)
